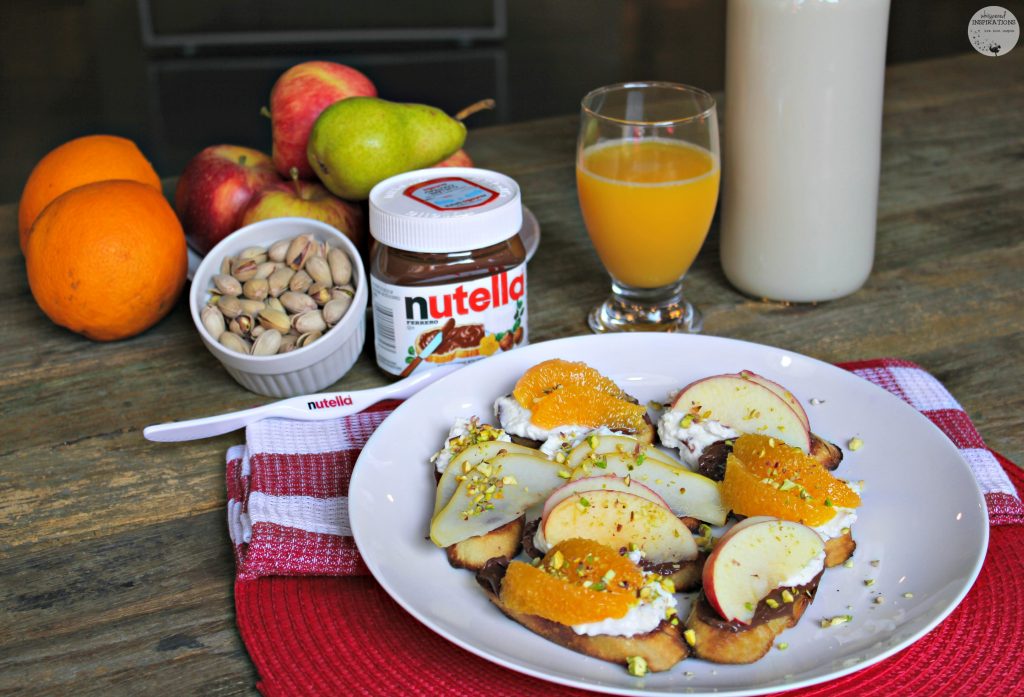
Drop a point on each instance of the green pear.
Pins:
(360, 141)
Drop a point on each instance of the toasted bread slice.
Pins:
(645, 435)
(662, 647)
(839, 549)
(719, 641)
(474, 552)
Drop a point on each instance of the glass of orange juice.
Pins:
(647, 172)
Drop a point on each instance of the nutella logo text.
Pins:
(339, 401)
(504, 288)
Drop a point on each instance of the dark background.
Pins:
(178, 75)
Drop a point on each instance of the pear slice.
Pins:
(493, 493)
(467, 460)
(686, 493)
(627, 445)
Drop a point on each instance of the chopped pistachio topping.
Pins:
(783, 646)
(787, 597)
(908, 595)
(636, 666)
(772, 603)
(869, 582)
(879, 599)
(855, 444)
(848, 563)
(690, 636)
(836, 621)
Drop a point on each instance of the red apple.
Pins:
(306, 200)
(298, 97)
(460, 158)
(215, 188)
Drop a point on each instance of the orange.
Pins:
(107, 260)
(578, 581)
(764, 476)
(81, 161)
(561, 392)
(548, 375)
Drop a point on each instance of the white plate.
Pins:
(922, 518)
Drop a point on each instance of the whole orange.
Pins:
(80, 161)
(107, 260)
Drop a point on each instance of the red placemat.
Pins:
(313, 625)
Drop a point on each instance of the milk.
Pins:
(803, 117)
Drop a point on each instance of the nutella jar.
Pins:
(447, 267)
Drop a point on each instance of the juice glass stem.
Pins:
(663, 309)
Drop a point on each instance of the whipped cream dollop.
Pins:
(656, 604)
(464, 433)
(690, 435)
(516, 419)
(807, 573)
(843, 519)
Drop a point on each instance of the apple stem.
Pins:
(264, 111)
(294, 174)
(242, 159)
(473, 108)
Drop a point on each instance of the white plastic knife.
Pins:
(313, 407)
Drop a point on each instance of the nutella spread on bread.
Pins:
(447, 267)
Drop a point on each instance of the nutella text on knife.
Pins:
(448, 258)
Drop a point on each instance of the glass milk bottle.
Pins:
(803, 118)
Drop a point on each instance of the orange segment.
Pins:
(545, 377)
(555, 589)
(746, 493)
(585, 406)
(772, 458)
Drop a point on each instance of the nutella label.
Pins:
(451, 193)
(454, 322)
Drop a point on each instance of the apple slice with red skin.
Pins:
(745, 406)
(619, 519)
(604, 482)
(787, 396)
(754, 558)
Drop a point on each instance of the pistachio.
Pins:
(213, 321)
(272, 319)
(278, 250)
(307, 339)
(250, 306)
(257, 253)
(310, 321)
(275, 304)
(265, 269)
(241, 325)
(300, 282)
(225, 266)
(229, 306)
(318, 268)
(341, 293)
(243, 269)
(278, 280)
(234, 342)
(297, 302)
(335, 309)
(268, 343)
(256, 288)
(287, 343)
(341, 266)
(257, 332)
(320, 293)
(227, 285)
(300, 249)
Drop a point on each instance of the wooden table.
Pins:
(115, 565)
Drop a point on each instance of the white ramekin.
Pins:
(301, 371)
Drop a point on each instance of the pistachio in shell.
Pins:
(341, 266)
(268, 343)
(213, 321)
(234, 342)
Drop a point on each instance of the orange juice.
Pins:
(647, 205)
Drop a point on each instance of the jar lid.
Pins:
(445, 209)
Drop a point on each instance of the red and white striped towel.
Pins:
(288, 486)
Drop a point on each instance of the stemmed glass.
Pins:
(647, 173)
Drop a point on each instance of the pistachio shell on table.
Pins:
(234, 342)
(310, 321)
(300, 282)
(213, 321)
(278, 280)
(256, 288)
(319, 270)
(299, 251)
(297, 302)
(251, 307)
(272, 319)
(335, 309)
(278, 250)
(244, 269)
(341, 266)
(268, 343)
(227, 285)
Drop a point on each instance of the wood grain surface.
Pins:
(115, 565)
